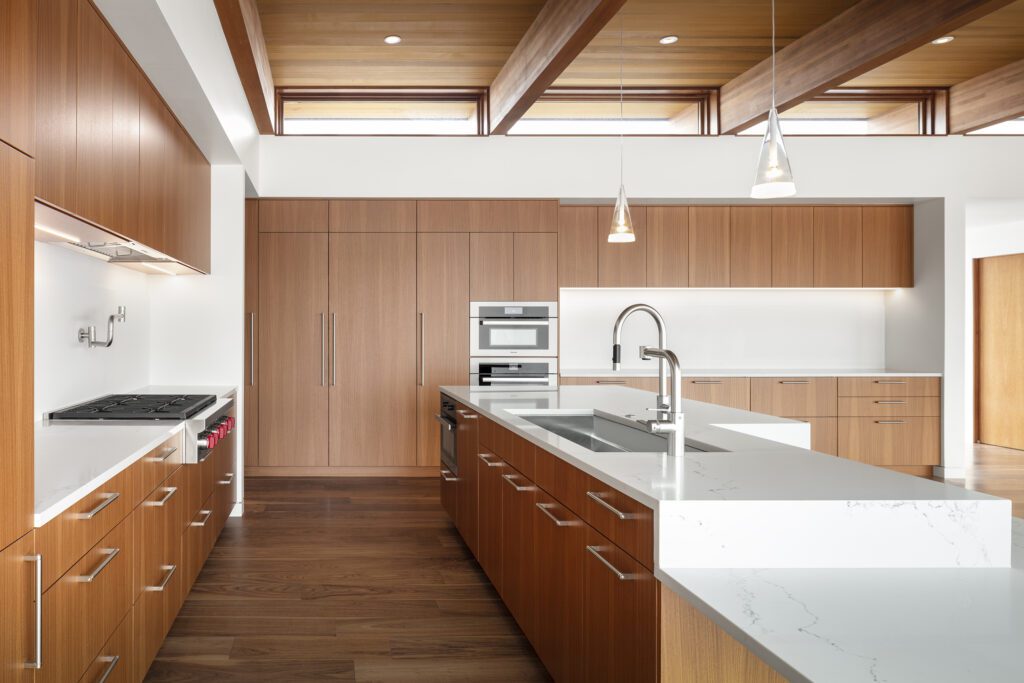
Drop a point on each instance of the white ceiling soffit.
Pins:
(182, 49)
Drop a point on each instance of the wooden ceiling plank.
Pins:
(562, 29)
(240, 20)
(987, 99)
(868, 34)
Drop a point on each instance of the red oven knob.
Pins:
(222, 430)
(231, 424)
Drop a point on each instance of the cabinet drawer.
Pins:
(567, 484)
(195, 544)
(159, 463)
(794, 396)
(625, 522)
(116, 661)
(733, 392)
(890, 441)
(63, 540)
(889, 386)
(824, 434)
(84, 608)
(908, 406)
(645, 383)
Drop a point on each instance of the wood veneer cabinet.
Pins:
(467, 436)
(837, 246)
(487, 215)
(518, 550)
(56, 101)
(622, 265)
(535, 266)
(577, 246)
(668, 246)
(490, 469)
(750, 246)
(252, 303)
(491, 266)
(792, 246)
(888, 234)
(17, 74)
(293, 215)
(733, 392)
(710, 242)
(17, 605)
(372, 215)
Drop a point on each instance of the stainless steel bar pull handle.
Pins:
(107, 500)
(37, 663)
(334, 350)
(515, 323)
(891, 422)
(597, 498)
(487, 460)
(596, 552)
(510, 479)
(170, 569)
(111, 665)
(794, 381)
(227, 482)
(546, 509)
(423, 354)
(110, 553)
(252, 349)
(206, 518)
(448, 477)
(169, 493)
(890, 381)
(890, 403)
(168, 453)
(323, 350)
(610, 381)
(707, 381)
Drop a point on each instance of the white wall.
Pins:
(73, 290)
(729, 329)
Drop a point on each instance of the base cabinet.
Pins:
(18, 586)
(467, 436)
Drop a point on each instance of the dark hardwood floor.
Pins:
(343, 579)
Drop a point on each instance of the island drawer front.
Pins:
(195, 546)
(733, 392)
(117, 660)
(65, 539)
(824, 434)
(85, 607)
(565, 483)
(794, 396)
(625, 522)
(888, 441)
(645, 383)
(160, 463)
(889, 386)
(909, 406)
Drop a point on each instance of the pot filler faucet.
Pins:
(669, 407)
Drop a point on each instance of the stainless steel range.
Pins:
(207, 419)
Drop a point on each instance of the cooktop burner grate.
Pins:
(137, 407)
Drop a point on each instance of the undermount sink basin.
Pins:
(602, 435)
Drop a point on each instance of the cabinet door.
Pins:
(518, 551)
(17, 605)
(467, 449)
(668, 246)
(733, 392)
(491, 264)
(837, 246)
(293, 215)
(888, 246)
(162, 574)
(372, 349)
(792, 246)
(250, 419)
(560, 540)
(622, 265)
(750, 246)
(293, 336)
(620, 613)
(442, 266)
(490, 469)
(195, 250)
(56, 101)
(158, 179)
(577, 246)
(450, 494)
(18, 74)
(17, 462)
(709, 246)
(535, 272)
(372, 215)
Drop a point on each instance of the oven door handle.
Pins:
(515, 380)
(445, 421)
(523, 323)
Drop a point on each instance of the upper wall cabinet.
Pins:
(577, 246)
(17, 74)
(888, 235)
(293, 215)
(372, 215)
(750, 246)
(487, 215)
(792, 246)
(668, 246)
(837, 246)
(622, 265)
(710, 244)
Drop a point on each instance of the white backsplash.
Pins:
(729, 329)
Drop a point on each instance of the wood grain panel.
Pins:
(794, 396)
(372, 215)
(17, 287)
(709, 246)
(634, 534)
(792, 246)
(467, 452)
(891, 441)
(518, 552)
(427, 472)
(889, 386)
(491, 265)
(888, 238)
(750, 250)
(1000, 350)
(18, 74)
(293, 215)
(293, 373)
(824, 434)
(577, 246)
(373, 352)
(622, 265)
(160, 550)
(196, 248)
(118, 658)
(733, 392)
(837, 246)
(490, 469)
(158, 176)
(487, 215)
(644, 383)
(56, 101)
(864, 406)
(251, 394)
(240, 20)
(17, 604)
(987, 99)
(535, 272)
(668, 245)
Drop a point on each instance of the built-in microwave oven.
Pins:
(513, 329)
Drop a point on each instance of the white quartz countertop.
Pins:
(652, 371)
(71, 460)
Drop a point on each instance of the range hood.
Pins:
(57, 227)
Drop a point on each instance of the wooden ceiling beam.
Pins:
(559, 33)
(867, 35)
(240, 20)
(987, 99)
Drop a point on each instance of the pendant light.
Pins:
(774, 177)
(622, 223)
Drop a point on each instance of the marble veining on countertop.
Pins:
(652, 371)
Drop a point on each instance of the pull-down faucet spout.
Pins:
(663, 390)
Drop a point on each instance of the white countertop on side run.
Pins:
(652, 371)
(72, 460)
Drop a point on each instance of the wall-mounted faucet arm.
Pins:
(88, 336)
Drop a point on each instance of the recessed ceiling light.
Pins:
(668, 40)
(392, 40)
(943, 40)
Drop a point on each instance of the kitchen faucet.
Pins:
(669, 421)
(662, 344)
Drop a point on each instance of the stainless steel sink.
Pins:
(602, 435)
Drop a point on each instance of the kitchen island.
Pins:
(794, 563)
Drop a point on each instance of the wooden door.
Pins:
(372, 215)
(560, 540)
(18, 74)
(442, 266)
(999, 334)
(158, 179)
(17, 605)
(792, 246)
(294, 215)
(491, 266)
(250, 419)
(577, 246)
(837, 246)
(56, 101)
(467, 449)
(17, 462)
(888, 246)
(709, 246)
(750, 246)
(622, 265)
(535, 270)
(372, 349)
(490, 469)
(518, 551)
(668, 246)
(293, 336)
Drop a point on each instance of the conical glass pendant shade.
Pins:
(774, 177)
(622, 222)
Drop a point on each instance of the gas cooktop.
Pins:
(137, 407)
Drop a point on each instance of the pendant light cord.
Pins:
(622, 116)
(773, 54)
